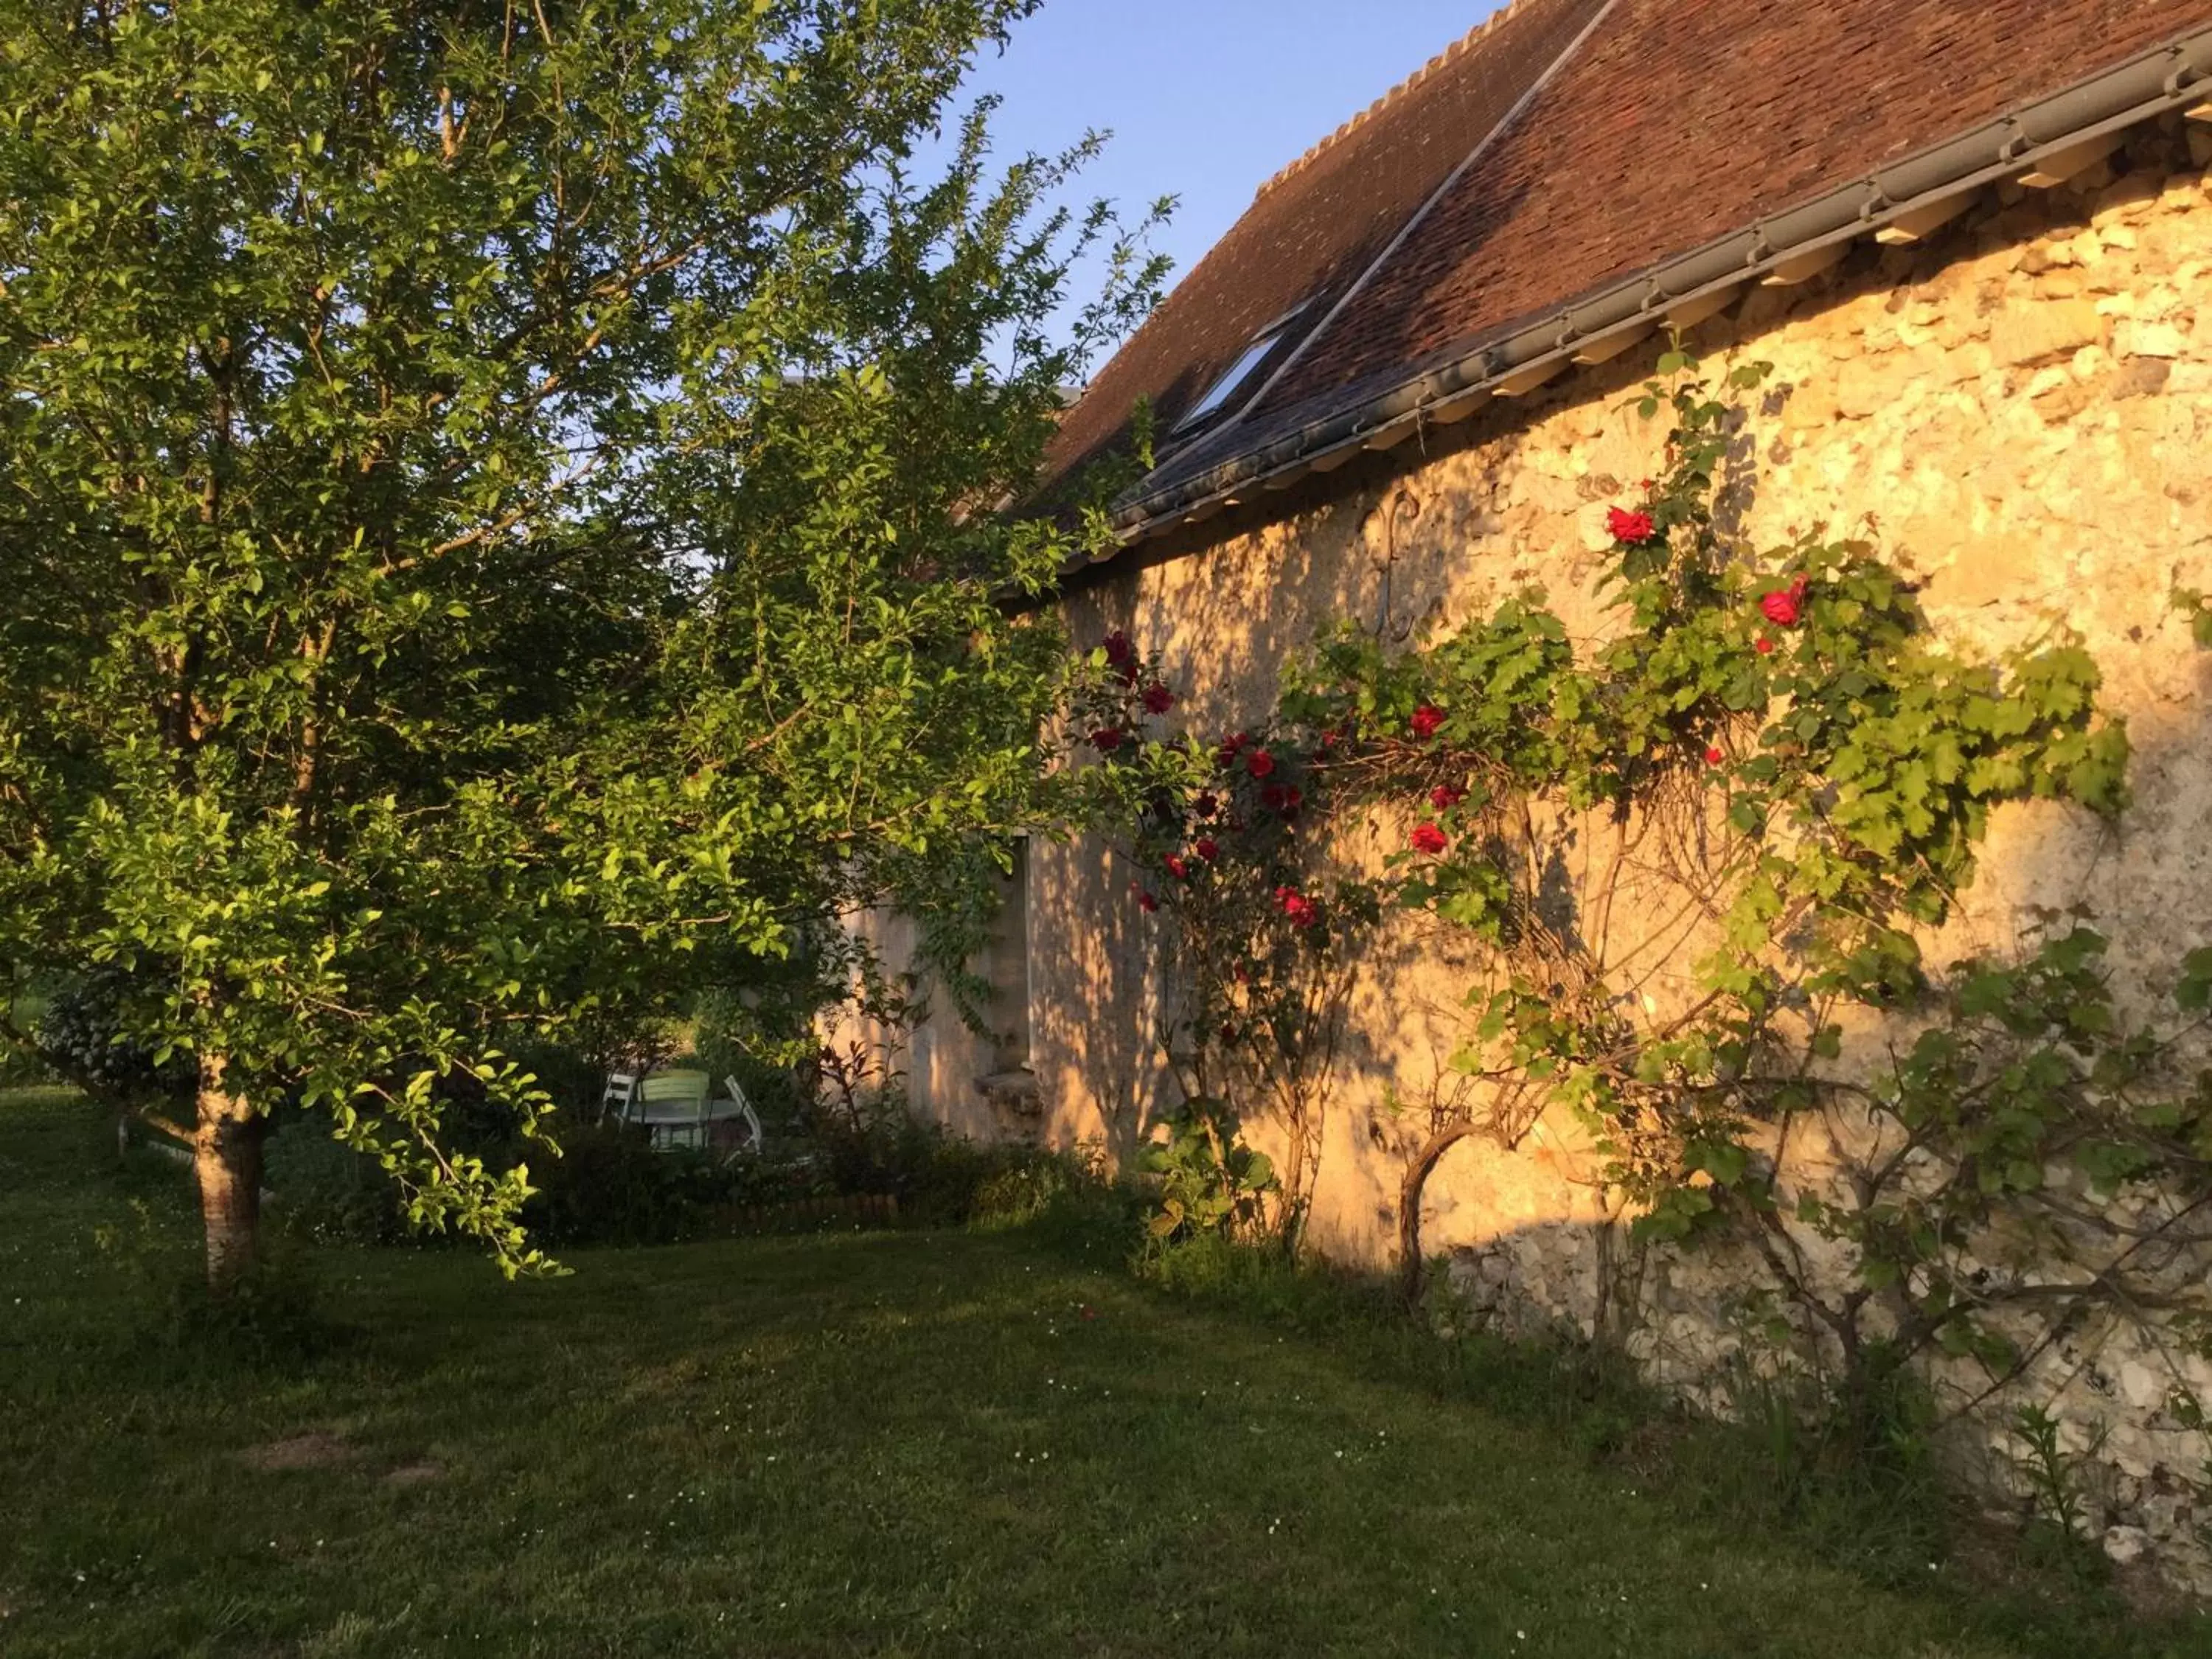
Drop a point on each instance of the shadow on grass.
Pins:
(1869, 1499)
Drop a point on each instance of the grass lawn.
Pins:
(887, 1444)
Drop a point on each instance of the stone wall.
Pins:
(2023, 408)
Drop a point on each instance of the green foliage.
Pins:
(327, 1193)
(83, 1032)
(2027, 1101)
(1774, 742)
(2192, 604)
(2052, 1474)
(1210, 1184)
(1787, 718)
(500, 528)
(612, 1187)
(1261, 951)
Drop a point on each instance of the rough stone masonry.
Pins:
(2019, 411)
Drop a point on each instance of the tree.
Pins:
(500, 507)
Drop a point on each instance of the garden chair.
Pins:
(618, 1100)
(672, 1106)
(737, 1109)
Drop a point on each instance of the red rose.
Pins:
(1208, 848)
(1634, 528)
(1302, 911)
(1293, 798)
(1785, 606)
(1713, 755)
(1177, 867)
(1106, 740)
(1158, 698)
(1118, 649)
(1427, 719)
(1147, 904)
(1427, 838)
(1260, 763)
(1271, 798)
(1443, 797)
(1765, 646)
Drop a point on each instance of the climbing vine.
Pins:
(1262, 954)
(1766, 779)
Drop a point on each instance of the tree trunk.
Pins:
(1413, 1266)
(227, 1157)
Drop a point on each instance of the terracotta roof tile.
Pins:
(1676, 121)
(1323, 220)
(1681, 120)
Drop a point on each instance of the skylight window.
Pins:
(1231, 384)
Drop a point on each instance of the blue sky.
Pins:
(1206, 98)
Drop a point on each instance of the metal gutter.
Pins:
(2167, 78)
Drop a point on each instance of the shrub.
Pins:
(612, 1187)
(80, 1027)
(609, 1186)
(326, 1191)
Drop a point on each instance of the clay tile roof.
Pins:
(1681, 119)
(1673, 123)
(1322, 221)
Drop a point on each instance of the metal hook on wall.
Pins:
(1403, 504)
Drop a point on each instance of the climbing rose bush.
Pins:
(1796, 750)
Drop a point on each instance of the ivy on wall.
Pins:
(1695, 855)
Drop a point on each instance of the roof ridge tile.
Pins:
(1450, 54)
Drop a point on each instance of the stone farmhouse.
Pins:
(1976, 243)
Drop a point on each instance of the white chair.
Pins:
(619, 1098)
(736, 1109)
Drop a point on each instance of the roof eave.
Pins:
(1910, 192)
